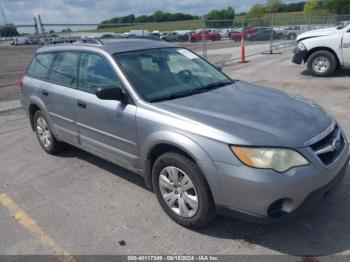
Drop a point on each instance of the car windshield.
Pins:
(169, 73)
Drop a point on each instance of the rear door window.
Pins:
(64, 69)
(40, 65)
(95, 72)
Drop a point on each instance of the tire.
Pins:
(198, 216)
(53, 146)
(321, 63)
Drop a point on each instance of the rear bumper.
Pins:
(311, 202)
(299, 56)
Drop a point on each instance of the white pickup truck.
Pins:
(324, 50)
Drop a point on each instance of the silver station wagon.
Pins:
(204, 143)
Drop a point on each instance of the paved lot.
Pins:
(80, 204)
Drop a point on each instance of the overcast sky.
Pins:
(90, 11)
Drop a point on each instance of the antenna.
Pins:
(3, 13)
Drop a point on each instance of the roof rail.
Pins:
(97, 40)
(90, 40)
(149, 37)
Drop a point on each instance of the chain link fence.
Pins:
(217, 40)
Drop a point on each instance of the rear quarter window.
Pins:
(40, 65)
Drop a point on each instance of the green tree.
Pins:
(314, 7)
(129, 19)
(223, 14)
(141, 19)
(274, 6)
(255, 16)
(338, 6)
(293, 7)
(8, 30)
(159, 16)
(228, 13)
(256, 11)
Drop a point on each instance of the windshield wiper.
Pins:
(212, 86)
(192, 91)
(173, 96)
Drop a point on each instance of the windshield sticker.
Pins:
(187, 53)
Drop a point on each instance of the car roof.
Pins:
(111, 46)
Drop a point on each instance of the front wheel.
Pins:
(321, 63)
(182, 190)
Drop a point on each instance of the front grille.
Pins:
(329, 148)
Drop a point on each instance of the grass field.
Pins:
(279, 19)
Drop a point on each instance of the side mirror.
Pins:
(110, 93)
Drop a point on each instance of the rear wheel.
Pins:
(45, 135)
(182, 190)
(321, 63)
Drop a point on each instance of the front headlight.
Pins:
(301, 46)
(277, 159)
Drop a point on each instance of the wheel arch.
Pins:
(322, 48)
(36, 104)
(158, 150)
(33, 108)
(163, 141)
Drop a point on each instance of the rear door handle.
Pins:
(81, 104)
(44, 92)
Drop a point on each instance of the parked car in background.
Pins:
(139, 33)
(224, 33)
(263, 35)
(32, 41)
(208, 35)
(19, 41)
(204, 143)
(237, 35)
(342, 24)
(156, 33)
(290, 33)
(324, 50)
(177, 36)
(258, 29)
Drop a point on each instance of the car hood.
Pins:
(251, 115)
(317, 33)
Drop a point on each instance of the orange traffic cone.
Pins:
(242, 49)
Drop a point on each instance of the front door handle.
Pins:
(44, 92)
(81, 104)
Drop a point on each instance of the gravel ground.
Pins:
(13, 61)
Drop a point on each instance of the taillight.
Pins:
(20, 82)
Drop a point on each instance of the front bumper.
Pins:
(299, 56)
(312, 201)
(250, 193)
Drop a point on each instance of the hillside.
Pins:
(280, 19)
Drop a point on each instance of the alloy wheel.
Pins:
(43, 132)
(178, 191)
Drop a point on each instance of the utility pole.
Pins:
(42, 29)
(204, 43)
(3, 13)
(37, 31)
